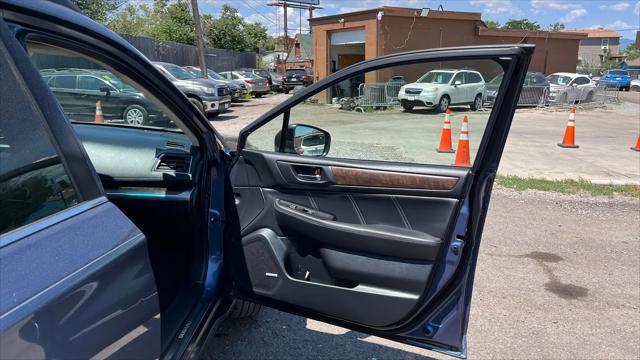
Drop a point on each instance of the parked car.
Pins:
(235, 90)
(78, 91)
(634, 85)
(567, 87)
(265, 74)
(297, 77)
(136, 242)
(534, 89)
(277, 82)
(616, 78)
(209, 96)
(256, 85)
(438, 89)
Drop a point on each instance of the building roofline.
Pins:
(484, 31)
(596, 33)
(403, 11)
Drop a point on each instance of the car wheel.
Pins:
(443, 104)
(257, 96)
(135, 115)
(407, 107)
(286, 91)
(635, 88)
(243, 309)
(197, 103)
(627, 88)
(477, 103)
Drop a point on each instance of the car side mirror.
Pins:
(303, 140)
(105, 90)
(574, 85)
(458, 82)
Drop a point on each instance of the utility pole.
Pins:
(199, 39)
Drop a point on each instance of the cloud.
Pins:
(497, 7)
(553, 5)
(619, 24)
(573, 15)
(636, 9)
(620, 6)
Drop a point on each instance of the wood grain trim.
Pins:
(389, 179)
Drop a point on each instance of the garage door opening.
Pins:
(347, 48)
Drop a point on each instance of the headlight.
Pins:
(207, 90)
(433, 89)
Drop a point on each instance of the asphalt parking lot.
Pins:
(542, 290)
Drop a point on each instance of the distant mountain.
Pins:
(624, 42)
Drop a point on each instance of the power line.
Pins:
(244, 2)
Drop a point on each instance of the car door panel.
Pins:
(383, 247)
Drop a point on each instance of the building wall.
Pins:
(321, 36)
(393, 34)
(591, 50)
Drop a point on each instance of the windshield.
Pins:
(296, 72)
(559, 79)
(436, 77)
(248, 74)
(496, 80)
(178, 72)
(214, 75)
(263, 73)
(618, 73)
(193, 71)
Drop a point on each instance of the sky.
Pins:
(623, 15)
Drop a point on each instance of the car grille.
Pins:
(412, 91)
(223, 90)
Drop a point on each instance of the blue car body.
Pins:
(616, 78)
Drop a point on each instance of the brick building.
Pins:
(343, 39)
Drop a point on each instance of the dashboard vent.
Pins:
(174, 163)
(174, 144)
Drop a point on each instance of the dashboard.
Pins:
(139, 162)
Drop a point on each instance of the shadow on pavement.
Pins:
(276, 335)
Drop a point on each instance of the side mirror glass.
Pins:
(458, 82)
(105, 90)
(304, 140)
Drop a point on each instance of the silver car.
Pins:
(256, 85)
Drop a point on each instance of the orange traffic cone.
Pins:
(445, 137)
(462, 155)
(99, 117)
(637, 147)
(569, 140)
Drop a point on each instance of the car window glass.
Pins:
(459, 77)
(390, 114)
(128, 105)
(64, 82)
(33, 181)
(90, 83)
(234, 76)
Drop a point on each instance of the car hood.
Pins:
(424, 86)
(197, 82)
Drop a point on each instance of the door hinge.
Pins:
(216, 217)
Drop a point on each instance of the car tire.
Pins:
(628, 88)
(443, 104)
(477, 103)
(286, 91)
(257, 96)
(635, 88)
(197, 103)
(242, 309)
(407, 107)
(135, 115)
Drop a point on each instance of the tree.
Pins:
(99, 10)
(557, 26)
(631, 51)
(492, 24)
(231, 31)
(521, 24)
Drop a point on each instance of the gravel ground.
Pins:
(558, 277)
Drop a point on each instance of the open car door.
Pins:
(354, 217)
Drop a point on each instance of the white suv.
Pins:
(438, 89)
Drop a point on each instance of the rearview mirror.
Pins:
(458, 82)
(303, 140)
